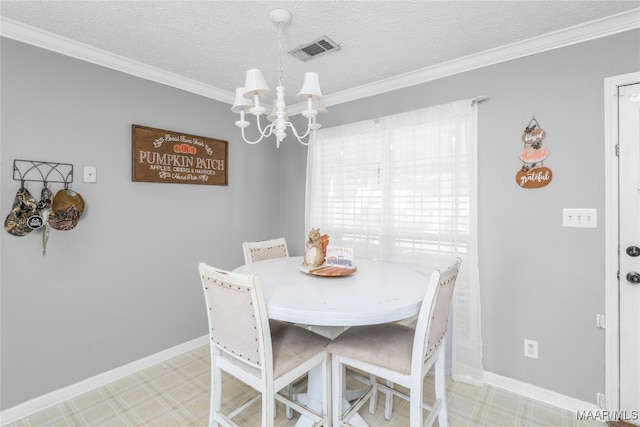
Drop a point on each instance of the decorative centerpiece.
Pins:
(316, 261)
(315, 253)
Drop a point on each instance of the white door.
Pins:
(629, 240)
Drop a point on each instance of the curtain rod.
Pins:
(479, 99)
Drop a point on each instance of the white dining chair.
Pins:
(266, 355)
(267, 249)
(264, 249)
(400, 355)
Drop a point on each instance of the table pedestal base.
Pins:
(313, 397)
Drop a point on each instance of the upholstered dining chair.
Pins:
(400, 355)
(264, 249)
(268, 249)
(266, 355)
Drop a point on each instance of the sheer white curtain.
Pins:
(403, 188)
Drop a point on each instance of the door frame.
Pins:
(612, 313)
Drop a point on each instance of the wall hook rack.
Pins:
(40, 171)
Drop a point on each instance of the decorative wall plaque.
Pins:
(166, 156)
(533, 173)
(534, 178)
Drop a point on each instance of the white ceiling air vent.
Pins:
(314, 49)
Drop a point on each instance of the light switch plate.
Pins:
(580, 218)
(89, 174)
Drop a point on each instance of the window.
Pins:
(402, 189)
(396, 188)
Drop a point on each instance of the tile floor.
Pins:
(176, 393)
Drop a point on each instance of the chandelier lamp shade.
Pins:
(248, 99)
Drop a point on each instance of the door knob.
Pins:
(633, 251)
(633, 277)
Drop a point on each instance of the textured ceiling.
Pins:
(215, 42)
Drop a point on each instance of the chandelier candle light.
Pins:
(248, 97)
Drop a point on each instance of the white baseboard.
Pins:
(538, 393)
(57, 396)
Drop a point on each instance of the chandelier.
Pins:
(247, 99)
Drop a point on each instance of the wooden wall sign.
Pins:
(173, 157)
(533, 173)
(534, 178)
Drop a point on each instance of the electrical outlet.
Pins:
(601, 400)
(600, 321)
(531, 348)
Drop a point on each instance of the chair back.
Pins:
(432, 321)
(264, 249)
(238, 323)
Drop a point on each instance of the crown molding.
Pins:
(607, 26)
(27, 34)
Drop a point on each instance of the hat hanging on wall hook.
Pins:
(67, 207)
(61, 212)
(23, 213)
(44, 206)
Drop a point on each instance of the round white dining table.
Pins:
(377, 292)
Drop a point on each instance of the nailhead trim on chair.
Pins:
(436, 344)
(240, 288)
(257, 250)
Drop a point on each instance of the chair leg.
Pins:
(288, 410)
(415, 400)
(441, 387)
(268, 406)
(388, 401)
(216, 395)
(373, 402)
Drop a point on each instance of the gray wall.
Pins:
(538, 280)
(293, 175)
(123, 284)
